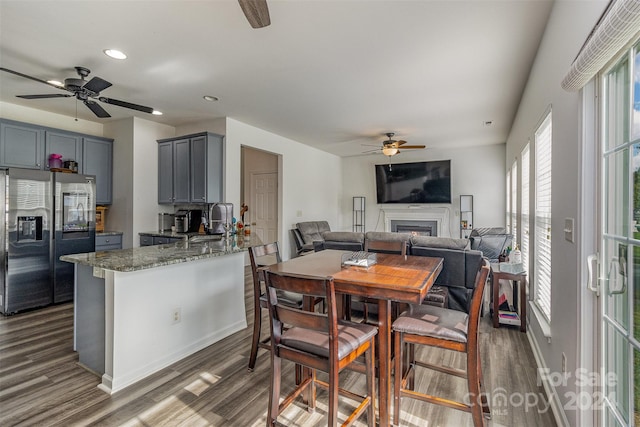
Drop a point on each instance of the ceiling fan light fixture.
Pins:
(389, 151)
(156, 113)
(115, 54)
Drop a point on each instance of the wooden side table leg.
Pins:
(495, 287)
(523, 304)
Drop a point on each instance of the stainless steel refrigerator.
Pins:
(42, 216)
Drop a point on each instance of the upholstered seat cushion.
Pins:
(343, 236)
(350, 337)
(290, 299)
(388, 236)
(436, 322)
(438, 296)
(440, 242)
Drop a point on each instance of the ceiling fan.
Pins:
(391, 147)
(256, 11)
(82, 90)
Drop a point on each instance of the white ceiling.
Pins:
(331, 74)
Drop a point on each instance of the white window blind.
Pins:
(508, 213)
(542, 246)
(514, 203)
(524, 208)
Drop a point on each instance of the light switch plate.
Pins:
(568, 229)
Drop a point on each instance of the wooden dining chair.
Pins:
(448, 329)
(366, 305)
(317, 341)
(261, 256)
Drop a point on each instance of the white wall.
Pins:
(44, 118)
(145, 175)
(135, 177)
(218, 126)
(311, 179)
(479, 171)
(569, 24)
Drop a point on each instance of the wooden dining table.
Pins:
(401, 278)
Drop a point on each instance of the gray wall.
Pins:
(567, 29)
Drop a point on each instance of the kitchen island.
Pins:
(139, 310)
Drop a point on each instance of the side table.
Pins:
(521, 278)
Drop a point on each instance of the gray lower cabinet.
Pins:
(21, 145)
(146, 240)
(108, 243)
(190, 169)
(24, 145)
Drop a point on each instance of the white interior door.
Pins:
(620, 242)
(264, 193)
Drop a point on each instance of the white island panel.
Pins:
(141, 334)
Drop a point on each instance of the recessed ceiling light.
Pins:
(115, 54)
(488, 123)
(55, 82)
(210, 98)
(156, 113)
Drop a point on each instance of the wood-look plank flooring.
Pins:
(41, 383)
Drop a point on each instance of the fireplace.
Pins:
(419, 228)
(427, 221)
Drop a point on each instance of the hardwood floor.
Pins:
(41, 383)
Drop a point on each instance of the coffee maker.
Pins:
(219, 215)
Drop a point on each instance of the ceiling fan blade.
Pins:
(96, 85)
(31, 78)
(53, 95)
(372, 151)
(126, 104)
(412, 146)
(97, 109)
(256, 11)
(400, 142)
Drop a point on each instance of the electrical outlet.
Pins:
(564, 363)
(177, 315)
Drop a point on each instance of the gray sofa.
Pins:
(317, 235)
(490, 241)
(458, 275)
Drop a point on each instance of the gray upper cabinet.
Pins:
(165, 172)
(206, 169)
(97, 159)
(181, 185)
(68, 145)
(190, 169)
(21, 145)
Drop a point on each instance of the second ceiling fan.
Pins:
(391, 147)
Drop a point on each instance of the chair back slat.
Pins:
(257, 252)
(292, 316)
(398, 247)
(476, 299)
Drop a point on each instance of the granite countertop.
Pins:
(109, 233)
(167, 233)
(145, 257)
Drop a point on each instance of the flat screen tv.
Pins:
(420, 182)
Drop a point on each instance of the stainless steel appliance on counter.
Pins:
(188, 220)
(36, 228)
(219, 215)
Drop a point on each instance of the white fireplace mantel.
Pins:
(437, 214)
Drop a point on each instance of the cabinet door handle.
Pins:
(107, 240)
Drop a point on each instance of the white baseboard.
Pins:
(549, 388)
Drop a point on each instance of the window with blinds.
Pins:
(524, 208)
(542, 245)
(514, 203)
